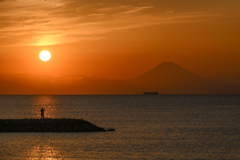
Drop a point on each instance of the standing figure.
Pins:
(42, 112)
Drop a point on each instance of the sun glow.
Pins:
(45, 55)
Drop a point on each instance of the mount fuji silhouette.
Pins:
(169, 78)
(166, 78)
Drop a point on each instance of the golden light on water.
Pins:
(43, 152)
(48, 103)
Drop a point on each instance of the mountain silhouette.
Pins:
(170, 78)
(166, 78)
(167, 71)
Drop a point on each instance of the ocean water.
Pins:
(147, 127)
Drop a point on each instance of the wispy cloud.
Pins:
(47, 22)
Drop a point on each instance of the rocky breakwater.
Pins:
(48, 125)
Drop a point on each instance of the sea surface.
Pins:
(163, 127)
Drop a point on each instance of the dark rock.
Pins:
(6, 122)
(48, 125)
(27, 121)
(18, 129)
(6, 129)
(53, 129)
(111, 129)
(42, 122)
(76, 128)
(37, 129)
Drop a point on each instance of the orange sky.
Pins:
(119, 39)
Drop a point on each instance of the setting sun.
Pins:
(45, 55)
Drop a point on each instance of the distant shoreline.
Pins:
(117, 94)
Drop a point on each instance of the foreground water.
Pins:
(147, 127)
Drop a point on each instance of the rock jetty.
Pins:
(48, 125)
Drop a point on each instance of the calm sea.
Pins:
(147, 127)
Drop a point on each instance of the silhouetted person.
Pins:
(42, 112)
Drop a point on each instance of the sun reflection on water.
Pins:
(43, 152)
(48, 103)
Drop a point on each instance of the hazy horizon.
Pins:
(166, 78)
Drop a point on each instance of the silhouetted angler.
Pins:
(42, 112)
